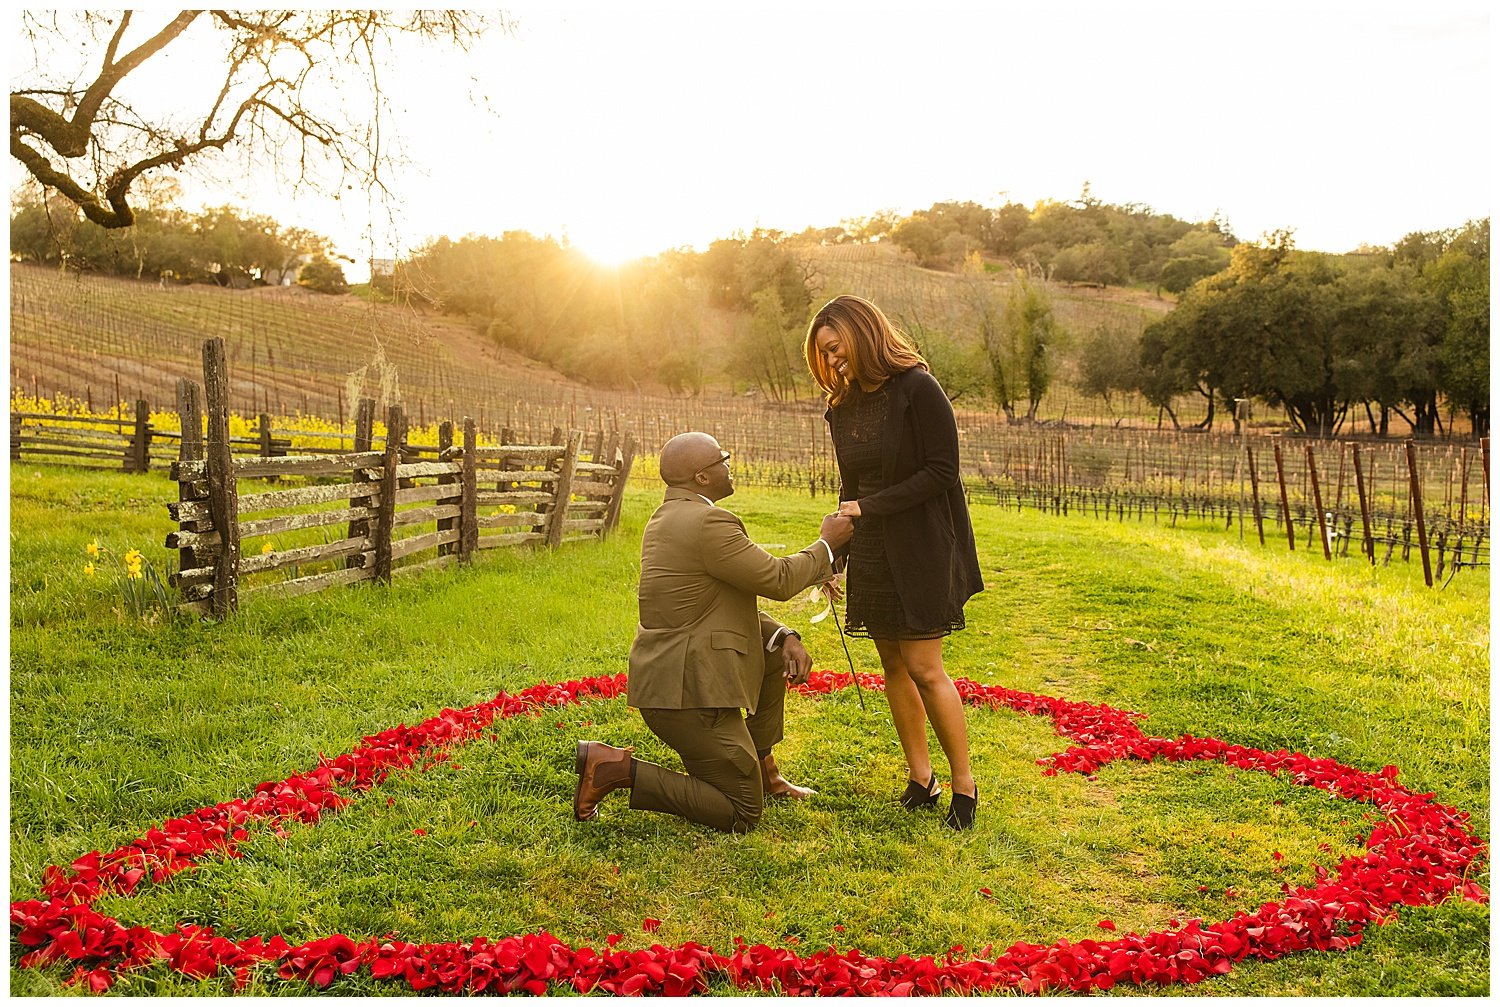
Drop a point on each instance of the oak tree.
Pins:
(109, 97)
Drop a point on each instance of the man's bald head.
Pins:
(685, 455)
(696, 462)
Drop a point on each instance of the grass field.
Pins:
(116, 726)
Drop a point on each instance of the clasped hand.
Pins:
(836, 530)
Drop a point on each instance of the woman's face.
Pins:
(835, 356)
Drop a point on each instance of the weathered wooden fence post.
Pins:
(189, 449)
(1416, 504)
(267, 444)
(364, 436)
(223, 489)
(617, 498)
(563, 489)
(385, 522)
(445, 441)
(15, 437)
(1260, 526)
(1364, 506)
(468, 535)
(138, 455)
(1312, 471)
(1286, 511)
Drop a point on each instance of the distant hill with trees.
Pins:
(1006, 303)
(223, 245)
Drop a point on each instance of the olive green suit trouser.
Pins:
(721, 751)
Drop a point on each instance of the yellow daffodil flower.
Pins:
(92, 548)
(88, 568)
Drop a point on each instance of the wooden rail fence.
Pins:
(82, 440)
(134, 445)
(374, 512)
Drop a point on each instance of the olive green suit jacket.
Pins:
(701, 640)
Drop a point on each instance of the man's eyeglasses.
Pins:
(723, 458)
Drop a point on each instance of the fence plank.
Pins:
(306, 465)
(189, 448)
(140, 440)
(417, 470)
(519, 454)
(305, 554)
(515, 498)
(528, 519)
(300, 496)
(315, 519)
(627, 457)
(395, 434)
(468, 502)
(501, 541)
(445, 441)
(223, 494)
(416, 543)
(558, 515)
(421, 515)
(315, 582)
(364, 426)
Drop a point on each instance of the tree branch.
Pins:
(76, 135)
(271, 110)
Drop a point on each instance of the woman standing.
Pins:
(912, 562)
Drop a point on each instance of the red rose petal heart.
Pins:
(1421, 854)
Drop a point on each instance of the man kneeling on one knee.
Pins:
(703, 654)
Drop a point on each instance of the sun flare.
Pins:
(611, 246)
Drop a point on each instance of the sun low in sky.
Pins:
(631, 129)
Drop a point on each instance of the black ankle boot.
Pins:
(961, 810)
(917, 796)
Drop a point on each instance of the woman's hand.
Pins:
(849, 508)
(833, 589)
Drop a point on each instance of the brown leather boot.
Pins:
(776, 785)
(601, 768)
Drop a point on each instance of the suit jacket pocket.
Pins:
(658, 664)
(727, 639)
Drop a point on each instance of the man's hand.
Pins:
(837, 530)
(798, 664)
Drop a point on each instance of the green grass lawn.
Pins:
(116, 726)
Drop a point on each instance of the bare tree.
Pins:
(282, 83)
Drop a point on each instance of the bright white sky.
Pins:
(634, 127)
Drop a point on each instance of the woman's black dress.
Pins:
(874, 607)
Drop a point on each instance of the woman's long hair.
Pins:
(874, 347)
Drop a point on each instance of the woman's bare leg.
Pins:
(922, 662)
(907, 711)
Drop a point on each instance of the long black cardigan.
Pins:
(928, 536)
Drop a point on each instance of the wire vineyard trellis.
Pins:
(299, 362)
